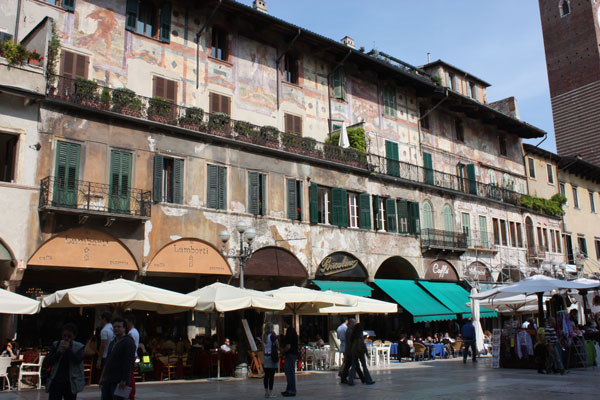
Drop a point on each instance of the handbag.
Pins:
(274, 354)
(146, 365)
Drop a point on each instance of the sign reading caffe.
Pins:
(479, 272)
(441, 270)
(341, 265)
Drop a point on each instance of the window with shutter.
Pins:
(390, 214)
(72, 65)
(120, 173)
(460, 134)
(131, 14)
(165, 22)
(216, 187)
(66, 174)
(325, 205)
(218, 43)
(466, 227)
(414, 222)
(151, 18)
(256, 193)
(365, 210)
(219, 103)
(294, 199)
(8, 154)
(424, 118)
(353, 211)
(392, 156)
(314, 202)
(168, 179)
(389, 101)
(471, 178)
(290, 69)
(339, 84)
(376, 219)
(68, 5)
(428, 164)
(293, 124)
(340, 207)
(403, 216)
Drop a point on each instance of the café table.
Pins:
(436, 349)
(394, 350)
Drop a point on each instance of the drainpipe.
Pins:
(339, 65)
(445, 91)
(17, 21)
(279, 60)
(210, 17)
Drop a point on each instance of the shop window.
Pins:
(219, 103)
(339, 84)
(293, 124)
(216, 183)
(8, 154)
(294, 199)
(149, 18)
(290, 69)
(168, 179)
(389, 101)
(257, 193)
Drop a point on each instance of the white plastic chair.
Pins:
(28, 369)
(373, 355)
(385, 351)
(4, 365)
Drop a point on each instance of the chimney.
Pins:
(260, 5)
(348, 41)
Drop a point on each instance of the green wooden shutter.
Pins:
(472, 183)
(253, 193)
(158, 176)
(131, 10)
(391, 153)
(292, 207)
(483, 231)
(414, 218)
(178, 181)
(376, 222)
(165, 23)
(339, 84)
(68, 5)
(365, 211)
(313, 195)
(403, 216)
(212, 186)
(390, 211)
(339, 205)
(222, 188)
(466, 227)
(120, 172)
(66, 174)
(428, 163)
(262, 209)
(389, 101)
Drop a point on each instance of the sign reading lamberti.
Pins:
(84, 248)
(189, 256)
(441, 270)
(341, 265)
(478, 272)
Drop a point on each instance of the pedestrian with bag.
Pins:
(468, 335)
(271, 362)
(119, 364)
(66, 358)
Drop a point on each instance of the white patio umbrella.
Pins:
(512, 303)
(221, 298)
(344, 141)
(300, 300)
(121, 293)
(476, 322)
(364, 305)
(13, 303)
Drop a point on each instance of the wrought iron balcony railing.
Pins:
(93, 198)
(439, 239)
(481, 240)
(91, 95)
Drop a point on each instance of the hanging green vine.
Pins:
(52, 61)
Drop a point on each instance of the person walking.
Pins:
(555, 363)
(66, 358)
(271, 352)
(119, 363)
(106, 337)
(341, 334)
(135, 335)
(468, 335)
(358, 350)
(290, 351)
(347, 364)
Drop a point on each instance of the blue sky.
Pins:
(499, 41)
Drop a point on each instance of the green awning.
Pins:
(455, 297)
(4, 253)
(415, 300)
(355, 288)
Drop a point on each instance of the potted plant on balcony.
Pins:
(246, 132)
(160, 110)
(105, 98)
(125, 102)
(85, 92)
(193, 119)
(34, 58)
(219, 124)
(270, 136)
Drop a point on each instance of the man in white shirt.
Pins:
(106, 336)
(131, 331)
(225, 346)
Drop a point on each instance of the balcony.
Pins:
(443, 240)
(93, 199)
(90, 95)
(535, 253)
(481, 241)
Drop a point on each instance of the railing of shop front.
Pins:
(93, 197)
(90, 94)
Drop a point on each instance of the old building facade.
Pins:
(153, 142)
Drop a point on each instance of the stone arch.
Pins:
(396, 267)
(6, 253)
(275, 261)
(189, 256)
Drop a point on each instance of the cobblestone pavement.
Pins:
(443, 379)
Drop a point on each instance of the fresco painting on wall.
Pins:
(101, 31)
(256, 79)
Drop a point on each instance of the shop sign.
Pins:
(84, 248)
(441, 270)
(341, 265)
(479, 272)
(189, 256)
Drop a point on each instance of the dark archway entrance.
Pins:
(396, 268)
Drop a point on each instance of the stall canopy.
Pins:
(354, 288)
(221, 297)
(454, 297)
(12, 303)
(365, 306)
(415, 300)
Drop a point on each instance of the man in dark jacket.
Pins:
(468, 335)
(119, 363)
(290, 351)
(66, 358)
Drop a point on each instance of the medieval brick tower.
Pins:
(571, 31)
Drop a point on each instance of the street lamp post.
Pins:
(244, 252)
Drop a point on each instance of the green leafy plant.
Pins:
(158, 107)
(125, 99)
(85, 89)
(269, 133)
(52, 61)
(105, 96)
(218, 121)
(552, 206)
(15, 53)
(245, 128)
(356, 137)
(193, 116)
(437, 80)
